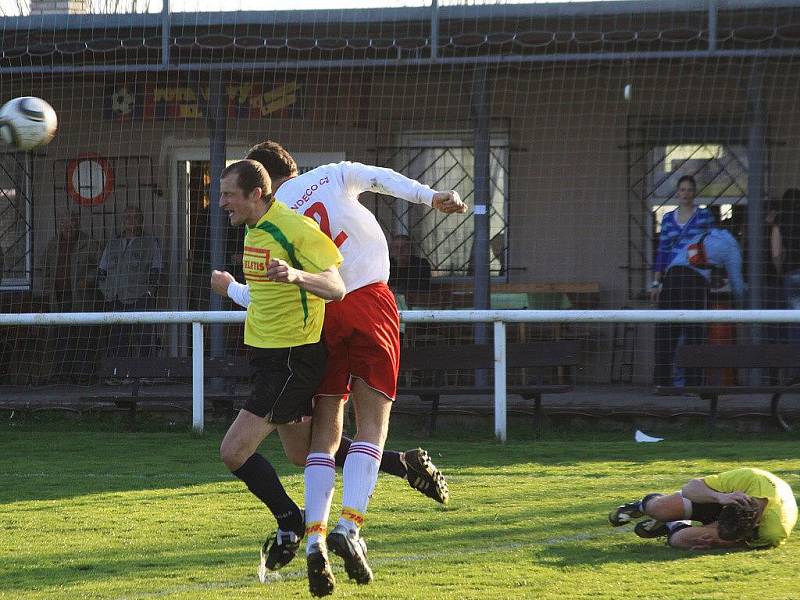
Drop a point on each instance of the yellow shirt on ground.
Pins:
(283, 315)
(780, 514)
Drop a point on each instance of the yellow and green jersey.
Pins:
(780, 513)
(282, 315)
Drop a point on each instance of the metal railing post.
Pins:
(198, 392)
(500, 381)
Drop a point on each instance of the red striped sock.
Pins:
(360, 474)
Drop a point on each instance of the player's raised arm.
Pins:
(380, 180)
(448, 202)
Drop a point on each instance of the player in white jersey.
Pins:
(361, 334)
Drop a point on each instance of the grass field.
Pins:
(103, 514)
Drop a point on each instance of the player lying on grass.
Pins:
(745, 507)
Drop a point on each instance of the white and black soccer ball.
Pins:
(27, 122)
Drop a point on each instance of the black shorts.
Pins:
(705, 512)
(285, 381)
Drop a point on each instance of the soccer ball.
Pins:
(27, 122)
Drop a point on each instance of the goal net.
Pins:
(567, 127)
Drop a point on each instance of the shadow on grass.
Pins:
(99, 567)
(635, 553)
(49, 460)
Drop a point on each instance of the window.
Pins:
(444, 162)
(15, 222)
(720, 171)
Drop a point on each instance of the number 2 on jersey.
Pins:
(318, 212)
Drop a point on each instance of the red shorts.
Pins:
(362, 335)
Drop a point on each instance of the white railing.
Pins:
(498, 317)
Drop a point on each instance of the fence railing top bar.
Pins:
(602, 316)
(383, 14)
(423, 316)
(108, 318)
(602, 57)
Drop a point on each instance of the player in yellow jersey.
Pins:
(291, 268)
(745, 507)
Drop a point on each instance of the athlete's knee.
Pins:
(232, 454)
(296, 456)
(666, 507)
(373, 431)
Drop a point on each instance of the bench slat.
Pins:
(743, 356)
(481, 356)
(520, 390)
(721, 390)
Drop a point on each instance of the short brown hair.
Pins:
(738, 521)
(249, 176)
(274, 158)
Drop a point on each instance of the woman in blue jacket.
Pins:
(678, 228)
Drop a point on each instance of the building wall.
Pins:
(567, 125)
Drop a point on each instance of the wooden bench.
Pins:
(132, 375)
(745, 358)
(428, 365)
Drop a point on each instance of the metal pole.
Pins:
(481, 205)
(435, 29)
(165, 32)
(423, 316)
(482, 201)
(500, 381)
(217, 121)
(756, 142)
(712, 25)
(198, 393)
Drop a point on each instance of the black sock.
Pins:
(643, 502)
(391, 461)
(261, 479)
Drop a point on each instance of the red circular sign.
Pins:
(90, 180)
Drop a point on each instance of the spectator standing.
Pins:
(130, 271)
(685, 286)
(678, 228)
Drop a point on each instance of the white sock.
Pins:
(320, 478)
(671, 525)
(359, 476)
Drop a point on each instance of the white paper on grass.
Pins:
(643, 437)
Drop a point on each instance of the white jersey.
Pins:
(329, 194)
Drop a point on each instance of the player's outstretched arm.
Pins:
(448, 202)
(326, 284)
(700, 538)
(696, 490)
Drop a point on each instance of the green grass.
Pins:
(104, 514)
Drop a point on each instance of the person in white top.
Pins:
(361, 334)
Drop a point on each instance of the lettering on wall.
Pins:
(165, 102)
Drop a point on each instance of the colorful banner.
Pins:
(166, 102)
